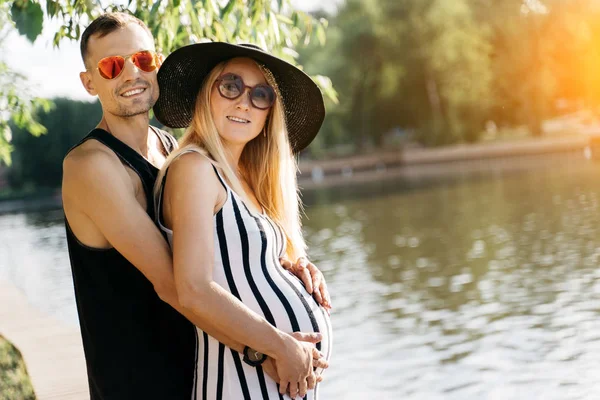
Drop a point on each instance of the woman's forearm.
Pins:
(223, 316)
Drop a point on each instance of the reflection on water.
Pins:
(470, 288)
(33, 255)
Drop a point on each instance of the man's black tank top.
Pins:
(136, 346)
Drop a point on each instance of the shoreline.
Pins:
(443, 161)
(44, 343)
(413, 163)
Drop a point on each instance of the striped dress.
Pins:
(248, 246)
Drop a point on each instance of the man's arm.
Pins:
(94, 182)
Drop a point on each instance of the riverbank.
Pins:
(390, 164)
(14, 380)
(51, 350)
(408, 162)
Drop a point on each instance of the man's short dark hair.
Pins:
(105, 24)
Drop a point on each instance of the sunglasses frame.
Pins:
(155, 55)
(243, 89)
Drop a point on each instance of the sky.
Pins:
(55, 72)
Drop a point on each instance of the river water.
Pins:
(474, 286)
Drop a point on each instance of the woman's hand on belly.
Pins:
(319, 361)
(294, 365)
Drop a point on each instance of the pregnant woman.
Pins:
(228, 201)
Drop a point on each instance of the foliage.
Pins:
(14, 381)
(442, 69)
(405, 64)
(273, 25)
(37, 161)
(17, 105)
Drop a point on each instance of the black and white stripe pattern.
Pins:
(248, 246)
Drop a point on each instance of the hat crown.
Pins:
(183, 72)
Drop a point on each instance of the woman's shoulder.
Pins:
(192, 159)
(192, 166)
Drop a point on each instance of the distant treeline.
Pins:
(37, 161)
(442, 69)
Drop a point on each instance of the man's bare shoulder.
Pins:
(90, 163)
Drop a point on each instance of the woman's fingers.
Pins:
(293, 389)
(283, 386)
(303, 386)
(311, 382)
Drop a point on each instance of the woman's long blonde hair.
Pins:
(267, 163)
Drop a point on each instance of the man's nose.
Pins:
(130, 70)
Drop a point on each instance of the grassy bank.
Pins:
(14, 381)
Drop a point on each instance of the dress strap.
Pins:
(221, 178)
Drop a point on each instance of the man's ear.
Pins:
(160, 58)
(86, 81)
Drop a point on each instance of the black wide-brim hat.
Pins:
(183, 72)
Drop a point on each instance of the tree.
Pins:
(37, 161)
(408, 64)
(17, 105)
(273, 25)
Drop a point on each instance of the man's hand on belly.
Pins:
(311, 277)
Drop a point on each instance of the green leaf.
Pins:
(155, 7)
(274, 26)
(321, 34)
(28, 19)
(52, 8)
(227, 9)
(284, 19)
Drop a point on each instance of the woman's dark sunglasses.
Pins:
(231, 86)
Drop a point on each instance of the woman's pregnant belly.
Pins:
(279, 297)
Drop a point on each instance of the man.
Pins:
(138, 340)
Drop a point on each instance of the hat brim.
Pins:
(181, 76)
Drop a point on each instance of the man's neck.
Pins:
(133, 131)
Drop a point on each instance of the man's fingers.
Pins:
(285, 263)
(316, 282)
(311, 381)
(319, 360)
(319, 378)
(325, 294)
(310, 337)
(306, 280)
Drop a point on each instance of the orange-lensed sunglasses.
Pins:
(112, 66)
